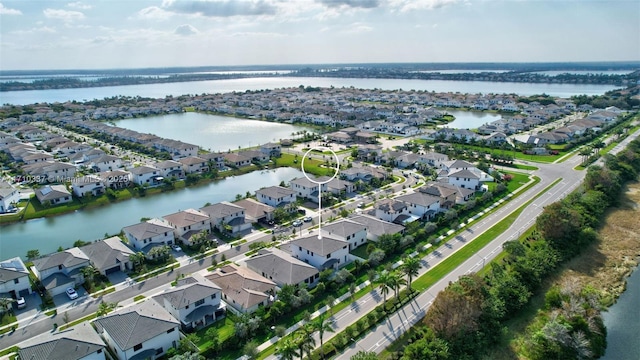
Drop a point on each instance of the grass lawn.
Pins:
(361, 251)
(517, 181)
(311, 166)
(7, 318)
(225, 331)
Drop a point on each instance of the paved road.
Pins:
(385, 333)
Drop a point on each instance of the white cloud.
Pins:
(79, 5)
(42, 29)
(186, 30)
(409, 5)
(154, 12)
(64, 15)
(7, 11)
(364, 4)
(221, 8)
(358, 27)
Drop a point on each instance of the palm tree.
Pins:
(137, 259)
(4, 304)
(385, 281)
(304, 341)
(395, 281)
(287, 349)
(320, 325)
(89, 272)
(410, 267)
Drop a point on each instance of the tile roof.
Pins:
(72, 344)
(148, 229)
(280, 267)
(419, 198)
(323, 246)
(242, 285)
(107, 253)
(68, 258)
(188, 291)
(186, 218)
(343, 228)
(276, 192)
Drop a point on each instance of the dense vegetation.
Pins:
(468, 317)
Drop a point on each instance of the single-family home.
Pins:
(243, 289)
(255, 211)
(9, 196)
(271, 149)
(422, 205)
(14, 278)
(227, 217)
(465, 179)
(109, 255)
(88, 184)
(215, 160)
(346, 230)
(276, 196)
(390, 209)
(144, 330)
(307, 189)
(188, 222)
(195, 301)
(105, 163)
(236, 160)
(283, 269)
(80, 342)
(170, 169)
(194, 165)
(116, 179)
(53, 195)
(61, 270)
(325, 252)
(146, 234)
(146, 175)
(376, 227)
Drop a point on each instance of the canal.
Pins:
(47, 234)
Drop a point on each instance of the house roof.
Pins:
(221, 209)
(343, 228)
(323, 246)
(390, 205)
(12, 269)
(419, 198)
(71, 344)
(188, 291)
(376, 226)
(242, 285)
(280, 267)
(437, 190)
(147, 229)
(51, 192)
(456, 164)
(464, 174)
(167, 164)
(254, 209)
(275, 192)
(6, 189)
(192, 160)
(68, 258)
(186, 217)
(107, 253)
(136, 324)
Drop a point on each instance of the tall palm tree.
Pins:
(385, 281)
(321, 325)
(410, 267)
(305, 341)
(287, 349)
(395, 281)
(89, 273)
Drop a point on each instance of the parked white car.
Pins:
(72, 294)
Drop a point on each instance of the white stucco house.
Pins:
(324, 253)
(147, 233)
(14, 278)
(227, 217)
(276, 196)
(188, 222)
(347, 230)
(61, 270)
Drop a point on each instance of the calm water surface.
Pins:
(223, 86)
(217, 133)
(470, 119)
(48, 234)
(623, 323)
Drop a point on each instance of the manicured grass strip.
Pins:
(81, 320)
(9, 350)
(446, 266)
(138, 297)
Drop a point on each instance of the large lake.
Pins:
(223, 86)
(211, 132)
(623, 323)
(48, 234)
(470, 119)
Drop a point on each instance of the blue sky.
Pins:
(98, 34)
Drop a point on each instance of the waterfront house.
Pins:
(255, 211)
(80, 342)
(194, 165)
(376, 227)
(170, 169)
(53, 195)
(307, 189)
(60, 270)
(109, 255)
(105, 163)
(227, 217)
(276, 196)
(236, 160)
(9, 196)
(243, 289)
(255, 155)
(146, 234)
(195, 301)
(88, 184)
(215, 160)
(116, 179)
(188, 222)
(283, 269)
(14, 278)
(323, 253)
(146, 175)
(143, 330)
(271, 149)
(51, 171)
(346, 230)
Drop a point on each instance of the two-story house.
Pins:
(106, 163)
(61, 270)
(194, 165)
(9, 196)
(271, 149)
(109, 255)
(323, 253)
(422, 205)
(276, 196)
(307, 189)
(80, 342)
(195, 301)
(188, 222)
(14, 278)
(145, 175)
(283, 269)
(88, 184)
(255, 211)
(465, 179)
(227, 217)
(170, 169)
(376, 227)
(346, 230)
(142, 331)
(389, 209)
(146, 234)
(116, 179)
(243, 289)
